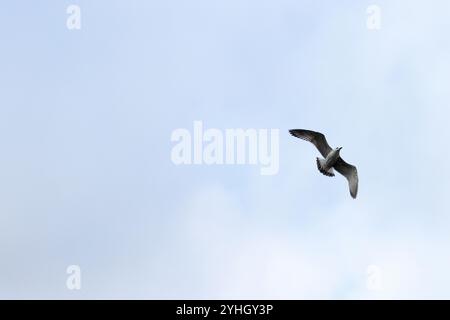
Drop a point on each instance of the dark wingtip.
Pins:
(294, 132)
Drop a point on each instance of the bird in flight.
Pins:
(332, 159)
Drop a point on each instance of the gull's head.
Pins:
(338, 149)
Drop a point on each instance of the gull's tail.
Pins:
(321, 167)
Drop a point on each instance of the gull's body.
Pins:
(332, 159)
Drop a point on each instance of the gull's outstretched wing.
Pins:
(315, 138)
(350, 172)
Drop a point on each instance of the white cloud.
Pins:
(240, 256)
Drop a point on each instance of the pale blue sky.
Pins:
(86, 177)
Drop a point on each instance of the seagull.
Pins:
(332, 158)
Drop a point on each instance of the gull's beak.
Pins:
(339, 148)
